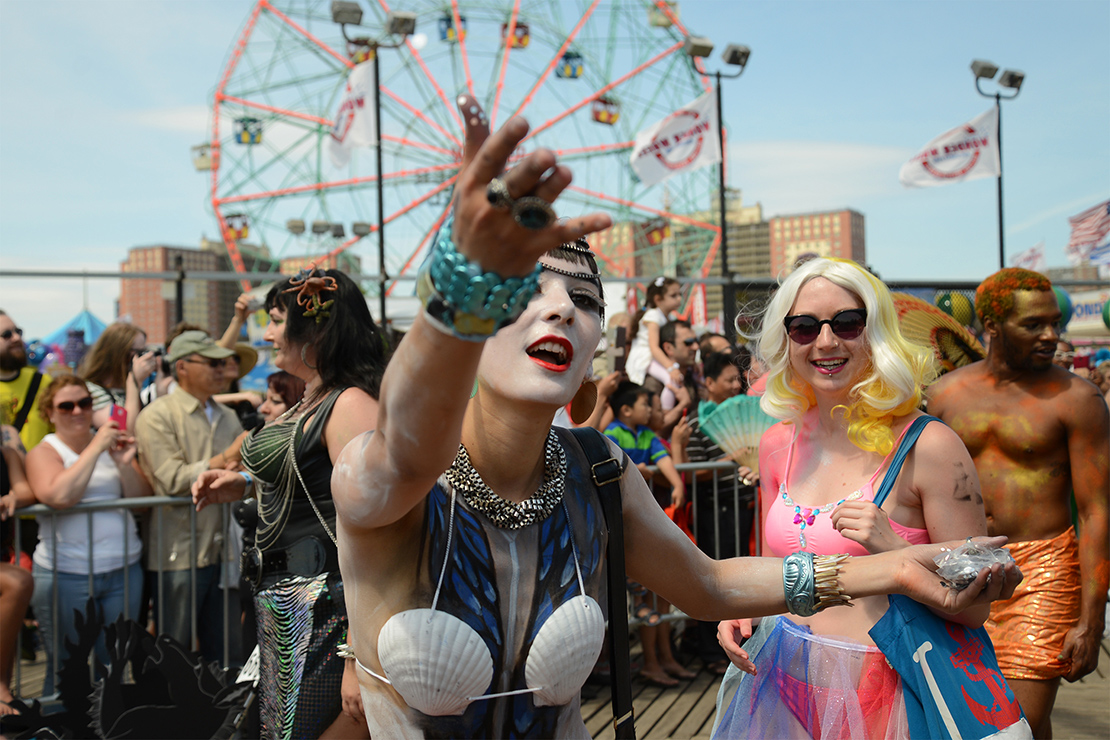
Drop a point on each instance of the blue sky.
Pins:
(100, 101)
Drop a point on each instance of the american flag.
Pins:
(1087, 230)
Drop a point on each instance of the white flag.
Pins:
(967, 152)
(685, 140)
(1031, 259)
(354, 123)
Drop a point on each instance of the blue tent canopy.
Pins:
(84, 321)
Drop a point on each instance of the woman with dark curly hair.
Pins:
(323, 334)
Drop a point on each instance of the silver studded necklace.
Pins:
(506, 514)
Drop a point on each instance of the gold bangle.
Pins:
(828, 592)
(343, 650)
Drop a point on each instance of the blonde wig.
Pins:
(891, 386)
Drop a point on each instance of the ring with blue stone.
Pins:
(533, 213)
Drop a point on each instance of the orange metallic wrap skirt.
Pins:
(1028, 629)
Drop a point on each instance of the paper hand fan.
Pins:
(925, 324)
(735, 424)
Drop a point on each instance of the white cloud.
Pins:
(793, 176)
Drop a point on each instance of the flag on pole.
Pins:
(1100, 255)
(1087, 230)
(684, 141)
(1031, 259)
(967, 152)
(699, 314)
(354, 123)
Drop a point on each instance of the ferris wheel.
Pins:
(587, 74)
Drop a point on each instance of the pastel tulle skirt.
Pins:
(810, 686)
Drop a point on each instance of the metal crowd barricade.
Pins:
(711, 492)
(156, 505)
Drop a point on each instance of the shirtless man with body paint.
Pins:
(1036, 433)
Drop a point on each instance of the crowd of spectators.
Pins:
(133, 420)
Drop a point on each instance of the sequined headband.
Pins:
(308, 284)
(580, 246)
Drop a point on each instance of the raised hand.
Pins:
(489, 234)
(142, 366)
(242, 307)
(107, 437)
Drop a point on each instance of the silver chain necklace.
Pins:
(506, 514)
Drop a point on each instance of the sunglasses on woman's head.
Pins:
(67, 406)
(804, 329)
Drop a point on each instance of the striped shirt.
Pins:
(641, 446)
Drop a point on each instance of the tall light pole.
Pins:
(1012, 79)
(737, 56)
(397, 24)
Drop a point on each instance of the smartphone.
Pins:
(1081, 361)
(118, 414)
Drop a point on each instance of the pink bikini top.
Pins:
(790, 527)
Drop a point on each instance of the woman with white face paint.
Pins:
(471, 535)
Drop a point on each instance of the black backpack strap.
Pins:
(28, 401)
(606, 471)
(909, 439)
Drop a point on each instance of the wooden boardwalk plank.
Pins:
(1082, 709)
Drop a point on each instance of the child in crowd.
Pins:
(664, 296)
(632, 408)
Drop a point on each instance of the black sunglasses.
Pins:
(210, 363)
(9, 333)
(68, 406)
(690, 342)
(804, 329)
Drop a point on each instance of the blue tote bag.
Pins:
(950, 678)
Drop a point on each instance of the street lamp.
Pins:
(397, 24)
(1010, 79)
(735, 55)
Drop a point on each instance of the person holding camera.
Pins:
(114, 370)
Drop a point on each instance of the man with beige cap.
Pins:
(179, 436)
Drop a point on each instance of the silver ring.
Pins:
(497, 193)
(533, 213)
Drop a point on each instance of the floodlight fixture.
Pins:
(736, 55)
(337, 231)
(698, 46)
(1011, 78)
(345, 11)
(361, 228)
(321, 227)
(983, 69)
(295, 226)
(400, 23)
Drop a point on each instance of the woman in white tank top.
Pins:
(72, 466)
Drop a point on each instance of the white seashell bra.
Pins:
(439, 664)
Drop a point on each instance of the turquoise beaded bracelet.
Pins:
(464, 301)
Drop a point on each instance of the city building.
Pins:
(824, 234)
(151, 303)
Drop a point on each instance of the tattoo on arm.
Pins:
(963, 490)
